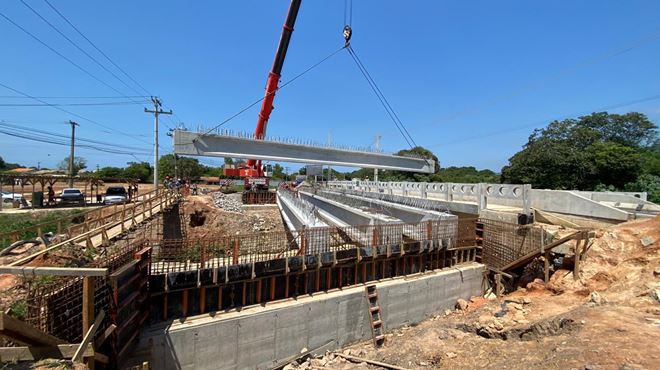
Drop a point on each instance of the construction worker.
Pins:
(51, 195)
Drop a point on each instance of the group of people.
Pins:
(177, 184)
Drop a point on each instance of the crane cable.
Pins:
(276, 90)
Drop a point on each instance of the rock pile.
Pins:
(226, 203)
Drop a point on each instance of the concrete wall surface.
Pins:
(568, 202)
(265, 336)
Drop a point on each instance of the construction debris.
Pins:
(227, 203)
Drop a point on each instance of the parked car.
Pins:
(71, 195)
(8, 197)
(115, 194)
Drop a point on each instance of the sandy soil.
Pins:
(608, 319)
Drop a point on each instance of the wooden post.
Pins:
(259, 282)
(202, 299)
(578, 252)
(244, 295)
(546, 266)
(328, 279)
(235, 252)
(88, 310)
(272, 288)
(220, 298)
(165, 306)
(184, 304)
(498, 285)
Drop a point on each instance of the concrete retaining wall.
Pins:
(262, 337)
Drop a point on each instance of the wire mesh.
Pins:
(504, 243)
(177, 255)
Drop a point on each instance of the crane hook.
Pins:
(348, 32)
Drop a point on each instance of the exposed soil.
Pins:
(608, 319)
(205, 219)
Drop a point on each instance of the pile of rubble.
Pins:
(227, 203)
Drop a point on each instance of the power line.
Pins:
(77, 46)
(76, 97)
(545, 122)
(60, 54)
(278, 89)
(38, 131)
(64, 143)
(110, 129)
(96, 47)
(109, 59)
(559, 74)
(67, 104)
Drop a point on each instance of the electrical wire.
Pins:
(67, 104)
(562, 73)
(278, 89)
(122, 70)
(64, 143)
(545, 122)
(97, 48)
(111, 130)
(12, 125)
(74, 97)
(60, 54)
(78, 47)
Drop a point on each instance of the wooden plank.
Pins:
(53, 271)
(24, 333)
(61, 351)
(87, 304)
(525, 259)
(87, 339)
(106, 334)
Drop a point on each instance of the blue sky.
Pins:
(469, 79)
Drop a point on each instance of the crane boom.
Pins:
(253, 168)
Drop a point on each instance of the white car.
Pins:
(8, 197)
(115, 194)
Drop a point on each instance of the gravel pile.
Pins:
(226, 203)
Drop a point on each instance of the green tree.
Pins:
(613, 164)
(141, 171)
(599, 149)
(187, 168)
(110, 172)
(278, 172)
(79, 163)
(648, 183)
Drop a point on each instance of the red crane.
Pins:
(253, 170)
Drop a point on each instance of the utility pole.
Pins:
(156, 112)
(73, 144)
(377, 146)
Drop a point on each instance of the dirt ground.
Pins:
(220, 222)
(608, 319)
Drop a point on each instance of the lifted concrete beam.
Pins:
(197, 144)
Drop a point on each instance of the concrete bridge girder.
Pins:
(197, 144)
